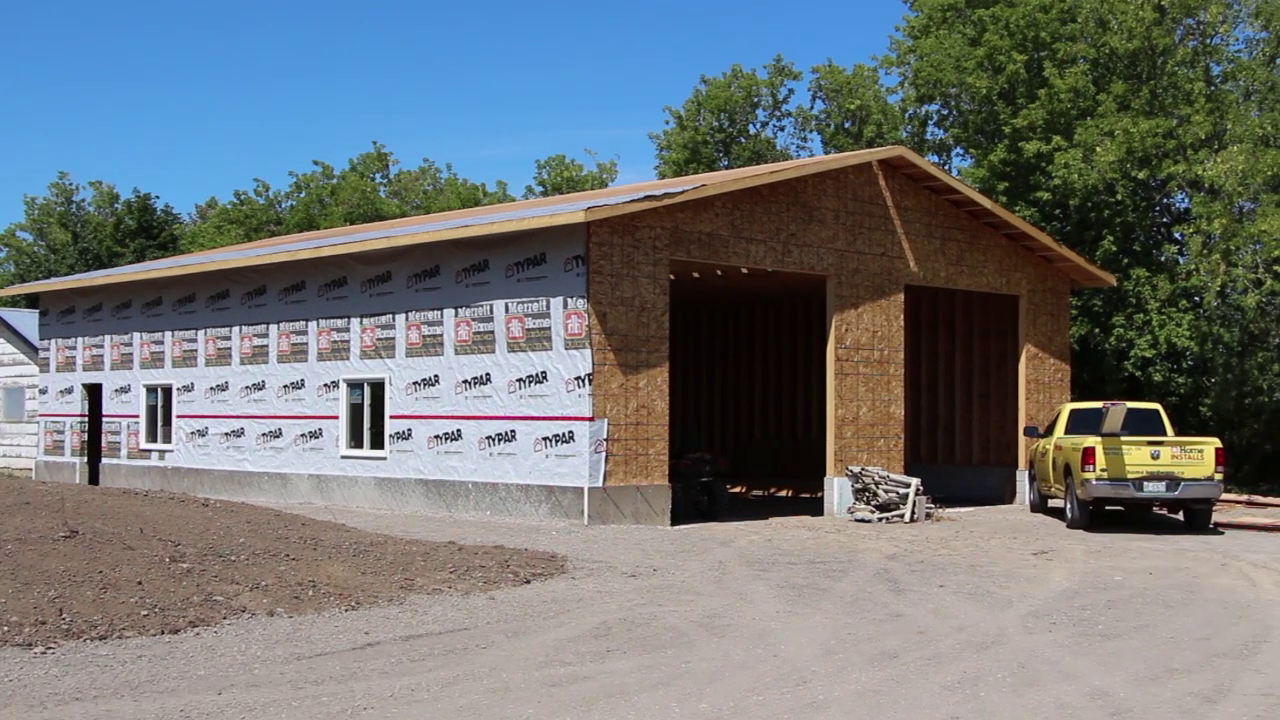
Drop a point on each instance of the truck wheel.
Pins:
(1197, 519)
(1078, 513)
(1038, 503)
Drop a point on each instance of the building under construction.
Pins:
(862, 308)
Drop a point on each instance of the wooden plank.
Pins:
(1021, 349)
(18, 435)
(1248, 523)
(1255, 500)
(829, 379)
(17, 372)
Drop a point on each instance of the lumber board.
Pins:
(1248, 523)
(1257, 500)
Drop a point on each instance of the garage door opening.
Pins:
(748, 382)
(962, 420)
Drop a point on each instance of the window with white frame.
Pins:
(15, 403)
(157, 416)
(364, 417)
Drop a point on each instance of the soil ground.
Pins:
(994, 614)
(96, 563)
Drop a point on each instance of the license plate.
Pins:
(1154, 487)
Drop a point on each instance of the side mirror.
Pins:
(1031, 431)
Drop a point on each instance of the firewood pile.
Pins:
(882, 496)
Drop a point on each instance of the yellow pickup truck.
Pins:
(1093, 455)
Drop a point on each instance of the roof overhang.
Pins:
(530, 215)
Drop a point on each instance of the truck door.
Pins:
(1044, 454)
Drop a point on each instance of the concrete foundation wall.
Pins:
(625, 505)
(967, 484)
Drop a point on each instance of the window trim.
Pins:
(344, 409)
(142, 417)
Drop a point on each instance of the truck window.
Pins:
(1142, 422)
(1052, 424)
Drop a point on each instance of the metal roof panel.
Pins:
(24, 322)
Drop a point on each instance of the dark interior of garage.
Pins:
(962, 424)
(748, 382)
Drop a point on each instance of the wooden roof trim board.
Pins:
(764, 175)
(582, 207)
(214, 264)
(1085, 273)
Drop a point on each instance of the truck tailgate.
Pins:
(1173, 457)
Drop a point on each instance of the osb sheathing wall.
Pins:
(842, 224)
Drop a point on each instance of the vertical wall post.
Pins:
(829, 366)
(1022, 376)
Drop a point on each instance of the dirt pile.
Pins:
(80, 562)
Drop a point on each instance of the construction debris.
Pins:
(882, 496)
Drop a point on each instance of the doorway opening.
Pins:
(962, 425)
(91, 438)
(748, 382)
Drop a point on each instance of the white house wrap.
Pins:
(484, 349)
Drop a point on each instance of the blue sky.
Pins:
(188, 100)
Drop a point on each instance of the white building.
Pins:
(19, 377)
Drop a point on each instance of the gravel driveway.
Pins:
(994, 614)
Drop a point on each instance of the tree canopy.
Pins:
(562, 175)
(73, 228)
(1144, 135)
(373, 186)
(751, 117)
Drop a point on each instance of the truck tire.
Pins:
(1036, 500)
(1078, 514)
(1197, 519)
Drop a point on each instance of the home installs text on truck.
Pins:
(1097, 454)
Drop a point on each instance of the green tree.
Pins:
(372, 187)
(248, 215)
(736, 119)
(73, 229)
(746, 117)
(562, 175)
(1142, 134)
(849, 109)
